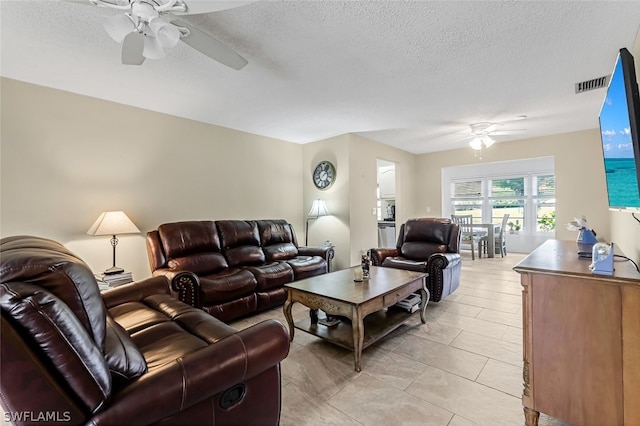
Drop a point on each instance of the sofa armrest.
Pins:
(199, 375)
(379, 254)
(444, 274)
(185, 285)
(323, 251)
(444, 260)
(135, 291)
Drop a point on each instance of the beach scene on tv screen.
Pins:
(619, 162)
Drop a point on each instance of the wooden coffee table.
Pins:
(363, 303)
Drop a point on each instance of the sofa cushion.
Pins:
(230, 284)
(134, 316)
(233, 309)
(193, 320)
(402, 263)
(180, 239)
(307, 266)
(276, 238)
(240, 242)
(49, 264)
(199, 263)
(428, 229)
(123, 358)
(420, 250)
(280, 251)
(65, 343)
(165, 342)
(271, 275)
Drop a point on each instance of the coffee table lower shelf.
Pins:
(376, 326)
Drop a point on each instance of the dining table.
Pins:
(492, 229)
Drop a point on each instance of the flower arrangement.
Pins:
(577, 224)
(585, 235)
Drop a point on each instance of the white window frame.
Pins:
(486, 172)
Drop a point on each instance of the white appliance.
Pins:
(386, 234)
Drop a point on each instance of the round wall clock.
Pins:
(324, 175)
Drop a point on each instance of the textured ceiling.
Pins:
(413, 75)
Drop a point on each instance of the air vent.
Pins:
(596, 83)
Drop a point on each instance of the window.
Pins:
(529, 200)
(467, 199)
(544, 197)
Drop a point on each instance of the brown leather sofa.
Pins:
(131, 355)
(429, 245)
(232, 268)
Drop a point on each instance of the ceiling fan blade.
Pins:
(507, 132)
(132, 48)
(211, 47)
(491, 128)
(115, 4)
(197, 6)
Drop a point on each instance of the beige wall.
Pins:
(580, 186)
(352, 227)
(363, 154)
(65, 158)
(580, 183)
(335, 227)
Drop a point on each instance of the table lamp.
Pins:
(113, 223)
(318, 208)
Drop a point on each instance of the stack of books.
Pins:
(107, 281)
(410, 304)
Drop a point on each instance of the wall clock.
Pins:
(324, 175)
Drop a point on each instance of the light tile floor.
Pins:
(462, 368)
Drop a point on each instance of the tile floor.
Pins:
(462, 368)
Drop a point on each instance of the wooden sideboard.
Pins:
(581, 360)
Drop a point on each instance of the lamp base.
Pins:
(113, 270)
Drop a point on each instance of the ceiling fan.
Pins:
(481, 134)
(147, 27)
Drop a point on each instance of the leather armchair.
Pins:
(429, 245)
(130, 355)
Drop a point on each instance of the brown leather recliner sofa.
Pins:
(232, 268)
(429, 245)
(131, 355)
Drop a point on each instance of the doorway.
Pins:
(386, 203)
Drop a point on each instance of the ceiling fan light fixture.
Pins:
(487, 141)
(118, 26)
(481, 141)
(476, 143)
(153, 48)
(168, 35)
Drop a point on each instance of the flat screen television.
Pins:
(619, 127)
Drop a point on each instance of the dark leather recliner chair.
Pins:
(429, 245)
(131, 355)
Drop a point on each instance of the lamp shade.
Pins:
(318, 208)
(113, 223)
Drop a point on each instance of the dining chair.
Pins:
(500, 240)
(468, 234)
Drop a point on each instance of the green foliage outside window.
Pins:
(547, 222)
